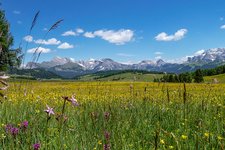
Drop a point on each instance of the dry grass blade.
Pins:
(38, 56)
(4, 83)
(168, 95)
(185, 94)
(34, 54)
(4, 77)
(34, 21)
(5, 87)
(31, 28)
(55, 25)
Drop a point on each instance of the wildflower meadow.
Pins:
(112, 115)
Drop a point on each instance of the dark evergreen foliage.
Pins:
(8, 57)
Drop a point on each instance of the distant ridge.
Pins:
(69, 68)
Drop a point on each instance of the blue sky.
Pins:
(124, 30)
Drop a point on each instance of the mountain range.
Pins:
(69, 68)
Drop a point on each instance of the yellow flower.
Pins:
(162, 141)
(3, 136)
(95, 148)
(219, 137)
(3, 125)
(184, 137)
(100, 142)
(206, 134)
(171, 147)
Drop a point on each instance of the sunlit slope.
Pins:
(220, 78)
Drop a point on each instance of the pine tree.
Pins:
(198, 76)
(8, 56)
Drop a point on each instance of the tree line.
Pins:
(189, 77)
(214, 71)
(186, 77)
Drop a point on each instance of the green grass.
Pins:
(142, 115)
(122, 77)
(220, 78)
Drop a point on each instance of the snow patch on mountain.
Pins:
(210, 55)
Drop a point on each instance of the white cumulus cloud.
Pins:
(119, 37)
(65, 46)
(222, 27)
(38, 50)
(175, 37)
(89, 35)
(69, 33)
(79, 30)
(52, 41)
(28, 38)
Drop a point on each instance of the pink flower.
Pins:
(74, 101)
(49, 110)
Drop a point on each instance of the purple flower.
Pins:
(74, 101)
(8, 128)
(106, 115)
(36, 146)
(106, 147)
(107, 136)
(14, 131)
(11, 130)
(24, 124)
(49, 110)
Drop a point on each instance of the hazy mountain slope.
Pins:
(69, 68)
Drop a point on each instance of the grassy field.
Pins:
(122, 77)
(112, 115)
(220, 78)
